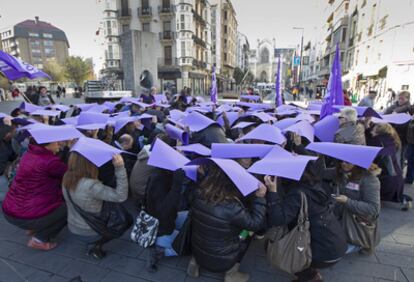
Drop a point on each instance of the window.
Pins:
(183, 49)
(167, 27)
(35, 43)
(225, 29)
(344, 30)
(166, 3)
(225, 15)
(49, 52)
(32, 34)
(47, 35)
(36, 53)
(48, 43)
(110, 52)
(225, 57)
(264, 56)
(145, 4)
(168, 55)
(146, 27)
(182, 22)
(125, 28)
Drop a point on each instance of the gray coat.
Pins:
(366, 201)
(89, 196)
(351, 133)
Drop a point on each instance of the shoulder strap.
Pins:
(303, 213)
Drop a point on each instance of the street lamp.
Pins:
(301, 53)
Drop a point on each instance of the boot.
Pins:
(233, 275)
(154, 255)
(193, 269)
(36, 244)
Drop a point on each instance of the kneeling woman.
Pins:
(34, 201)
(218, 217)
(88, 193)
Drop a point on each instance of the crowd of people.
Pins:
(207, 178)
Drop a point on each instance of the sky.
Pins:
(80, 19)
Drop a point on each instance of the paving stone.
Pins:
(9, 248)
(202, 279)
(119, 277)
(164, 273)
(338, 276)
(409, 273)
(396, 260)
(268, 277)
(127, 248)
(11, 271)
(395, 248)
(370, 270)
(40, 276)
(87, 271)
(404, 239)
(124, 264)
(42, 260)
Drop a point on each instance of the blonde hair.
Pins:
(385, 128)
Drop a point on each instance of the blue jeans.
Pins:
(410, 164)
(89, 241)
(166, 241)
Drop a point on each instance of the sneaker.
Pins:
(36, 244)
(30, 232)
(193, 269)
(259, 237)
(233, 275)
(97, 253)
(407, 205)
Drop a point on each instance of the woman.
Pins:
(328, 243)
(7, 155)
(358, 192)
(391, 178)
(34, 201)
(87, 192)
(218, 217)
(163, 199)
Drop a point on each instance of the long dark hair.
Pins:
(217, 187)
(78, 167)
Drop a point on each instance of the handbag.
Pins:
(110, 223)
(360, 232)
(290, 251)
(182, 243)
(145, 229)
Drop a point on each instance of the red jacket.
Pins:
(36, 190)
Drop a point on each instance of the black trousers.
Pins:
(44, 228)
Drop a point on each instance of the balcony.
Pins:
(166, 11)
(199, 18)
(113, 64)
(199, 64)
(167, 37)
(199, 41)
(145, 13)
(125, 13)
(164, 61)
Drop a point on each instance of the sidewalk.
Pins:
(393, 261)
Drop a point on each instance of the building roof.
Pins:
(36, 26)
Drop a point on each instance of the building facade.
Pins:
(376, 44)
(243, 52)
(35, 42)
(224, 49)
(262, 61)
(164, 42)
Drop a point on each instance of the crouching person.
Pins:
(86, 197)
(218, 217)
(163, 200)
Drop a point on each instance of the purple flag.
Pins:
(14, 68)
(279, 100)
(334, 94)
(213, 91)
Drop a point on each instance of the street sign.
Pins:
(296, 61)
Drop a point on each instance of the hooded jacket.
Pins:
(36, 189)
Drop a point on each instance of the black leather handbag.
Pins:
(110, 223)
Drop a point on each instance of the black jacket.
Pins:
(163, 198)
(328, 240)
(215, 230)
